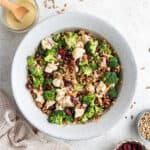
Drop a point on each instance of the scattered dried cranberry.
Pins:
(62, 52)
(47, 75)
(98, 49)
(29, 86)
(67, 83)
(37, 54)
(68, 56)
(48, 87)
(74, 100)
(68, 111)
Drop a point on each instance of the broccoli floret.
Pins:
(61, 71)
(40, 50)
(60, 41)
(88, 114)
(112, 93)
(57, 117)
(91, 46)
(78, 87)
(84, 118)
(36, 72)
(57, 37)
(37, 81)
(91, 111)
(83, 63)
(31, 61)
(49, 95)
(89, 99)
(97, 59)
(87, 70)
(50, 55)
(93, 65)
(70, 39)
(113, 62)
(98, 109)
(105, 48)
(68, 118)
(110, 78)
(33, 67)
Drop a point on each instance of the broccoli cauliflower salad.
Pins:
(73, 77)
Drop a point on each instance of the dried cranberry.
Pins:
(68, 56)
(48, 87)
(47, 75)
(134, 147)
(98, 49)
(127, 146)
(29, 86)
(37, 54)
(62, 52)
(139, 147)
(67, 83)
(74, 100)
(68, 111)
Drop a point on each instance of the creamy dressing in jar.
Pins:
(27, 20)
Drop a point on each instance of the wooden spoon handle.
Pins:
(9, 5)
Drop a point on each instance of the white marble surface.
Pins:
(132, 19)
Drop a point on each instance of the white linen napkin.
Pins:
(16, 134)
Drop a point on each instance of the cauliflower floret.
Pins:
(39, 96)
(76, 69)
(66, 102)
(51, 67)
(90, 88)
(86, 38)
(58, 82)
(47, 43)
(78, 53)
(80, 44)
(49, 104)
(59, 107)
(60, 93)
(101, 88)
(79, 112)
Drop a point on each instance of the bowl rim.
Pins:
(133, 60)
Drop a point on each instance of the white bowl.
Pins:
(19, 76)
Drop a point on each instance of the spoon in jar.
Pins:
(18, 11)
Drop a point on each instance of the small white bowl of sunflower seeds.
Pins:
(144, 126)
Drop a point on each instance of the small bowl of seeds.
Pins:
(143, 126)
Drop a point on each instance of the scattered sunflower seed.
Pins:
(132, 117)
(142, 68)
(148, 87)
